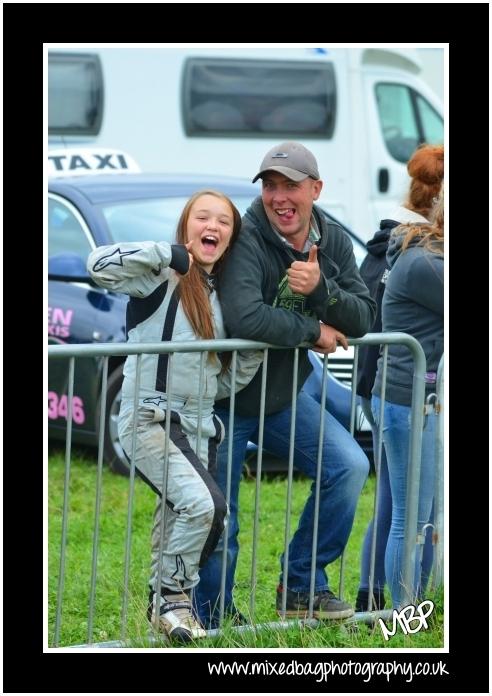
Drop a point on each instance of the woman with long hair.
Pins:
(413, 303)
(426, 171)
(173, 298)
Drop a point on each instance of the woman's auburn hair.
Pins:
(426, 169)
(193, 291)
(431, 235)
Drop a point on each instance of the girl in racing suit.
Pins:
(173, 298)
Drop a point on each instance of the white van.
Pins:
(217, 111)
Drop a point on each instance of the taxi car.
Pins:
(89, 211)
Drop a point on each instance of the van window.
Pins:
(407, 120)
(254, 98)
(75, 94)
(431, 122)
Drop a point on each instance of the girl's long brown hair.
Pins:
(192, 287)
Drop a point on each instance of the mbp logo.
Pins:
(407, 616)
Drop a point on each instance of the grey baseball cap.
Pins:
(291, 159)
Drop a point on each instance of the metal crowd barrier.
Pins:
(105, 350)
(438, 525)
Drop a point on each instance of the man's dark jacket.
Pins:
(258, 304)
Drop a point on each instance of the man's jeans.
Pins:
(343, 473)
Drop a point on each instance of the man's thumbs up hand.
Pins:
(313, 254)
(304, 275)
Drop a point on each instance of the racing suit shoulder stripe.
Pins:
(167, 333)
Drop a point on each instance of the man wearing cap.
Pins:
(291, 278)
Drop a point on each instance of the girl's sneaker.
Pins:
(176, 617)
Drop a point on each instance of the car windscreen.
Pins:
(360, 250)
(152, 219)
(156, 219)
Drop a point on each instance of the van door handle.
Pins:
(383, 180)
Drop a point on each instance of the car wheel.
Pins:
(113, 451)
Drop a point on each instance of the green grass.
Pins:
(110, 568)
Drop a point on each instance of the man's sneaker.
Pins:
(176, 617)
(325, 605)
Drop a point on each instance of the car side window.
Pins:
(65, 231)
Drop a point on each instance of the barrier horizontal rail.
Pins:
(218, 345)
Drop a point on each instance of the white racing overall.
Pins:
(196, 509)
